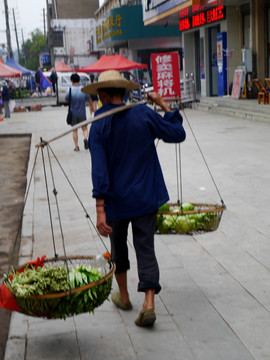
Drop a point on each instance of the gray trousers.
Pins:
(6, 107)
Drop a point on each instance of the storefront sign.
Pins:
(166, 74)
(198, 15)
(111, 26)
(125, 23)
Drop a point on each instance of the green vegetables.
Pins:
(174, 220)
(83, 275)
(50, 281)
(39, 281)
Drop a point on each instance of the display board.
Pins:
(166, 74)
(238, 83)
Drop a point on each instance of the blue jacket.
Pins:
(125, 168)
(5, 93)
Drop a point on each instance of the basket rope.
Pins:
(21, 218)
(179, 160)
(48, 200)
(57, 205)
(77, 196)
(179, 181)
(203, 157)
(25, 303)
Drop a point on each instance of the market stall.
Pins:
(112, 62)
(28, 79)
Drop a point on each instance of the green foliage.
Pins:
(45, 281)
(19, 93)
(31, 49)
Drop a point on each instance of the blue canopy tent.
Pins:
(31, 84)
(12, 63)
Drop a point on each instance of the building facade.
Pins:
(70, 30)
(120, 30)
(218, 37)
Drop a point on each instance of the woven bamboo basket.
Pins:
(68, 303)
(203, 218)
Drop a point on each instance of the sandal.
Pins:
(77, 148)
(121, 305)
(146, 318)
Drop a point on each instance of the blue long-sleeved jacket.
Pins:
(125, 168)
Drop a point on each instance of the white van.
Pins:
(64, 83)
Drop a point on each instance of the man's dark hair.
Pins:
(114, 91)
(75, 78)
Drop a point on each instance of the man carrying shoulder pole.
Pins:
(128, 183)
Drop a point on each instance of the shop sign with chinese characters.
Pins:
(111, 26)
(166, 74)
(199, 15)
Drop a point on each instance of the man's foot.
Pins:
(86, 144)
(121, 305)
(146, 318)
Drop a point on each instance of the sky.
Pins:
(28, 16)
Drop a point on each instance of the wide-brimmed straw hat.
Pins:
(110, 79)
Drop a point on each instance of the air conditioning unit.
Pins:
(59, 51)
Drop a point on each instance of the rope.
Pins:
(21, 219)
(48, 200)
(179, 181)
(180, 170)
(77, 196)
(202, 156)
(57, 207)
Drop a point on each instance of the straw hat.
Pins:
(110, 79)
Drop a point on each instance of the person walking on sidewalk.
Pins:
(38, 80)
(78, 110)
(53, 80)
(128, 183)
(6, 98)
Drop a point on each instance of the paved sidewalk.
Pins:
(215, 299)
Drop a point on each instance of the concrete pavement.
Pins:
(215, 299)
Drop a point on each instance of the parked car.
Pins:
(64, 83)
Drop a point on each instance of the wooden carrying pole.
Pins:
(86, 122)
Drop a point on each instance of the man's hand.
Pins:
(102, 226)
(158, 100)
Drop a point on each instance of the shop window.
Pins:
(57, 39)
(246, 31)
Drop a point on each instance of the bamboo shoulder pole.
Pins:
(86, 122)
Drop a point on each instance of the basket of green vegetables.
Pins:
(187, 218)
(62, 287)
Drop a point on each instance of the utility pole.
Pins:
(44, 22)
(10, 54)
(22, 37)
(18, 47)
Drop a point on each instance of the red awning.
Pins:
(62, 67)
(112, 62)
(7, 71)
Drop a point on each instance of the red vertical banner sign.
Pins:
(166, 74)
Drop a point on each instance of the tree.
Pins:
(31, 49)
